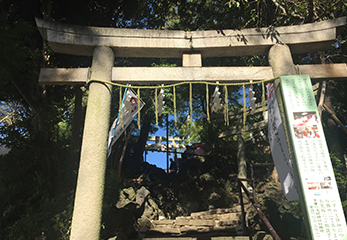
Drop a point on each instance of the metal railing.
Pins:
(252, 199)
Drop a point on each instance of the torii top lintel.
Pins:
(81, 40)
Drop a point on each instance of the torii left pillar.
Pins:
(86, 219)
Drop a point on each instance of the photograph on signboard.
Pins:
(313, 185)
(328, 178)
(305, 125)
(325, 185)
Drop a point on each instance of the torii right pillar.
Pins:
(309, 155)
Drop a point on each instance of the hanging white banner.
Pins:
(129, 111)
(279, 147)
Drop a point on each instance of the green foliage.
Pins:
(341, 179)
(113, 186)
(62, 223)
(49, 217)
(221, 150)
(296, 209)
(36, 121)
(190, 131)
(164, 63)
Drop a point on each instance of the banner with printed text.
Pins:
(129, 111)
(279, 146)
(321, 196)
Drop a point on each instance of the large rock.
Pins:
(136, 210)
(131, 206)
(126, 197)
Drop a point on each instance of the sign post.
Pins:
(315, 174)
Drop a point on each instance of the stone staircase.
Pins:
(216, 224)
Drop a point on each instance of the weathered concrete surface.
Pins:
(81, 40)
(142, 75)
(214, 222)
(191, 60)
(280, 59)
(86, 220)
(175, 238)
(58, 76)
(194, 238)
(194, 222)
(231, 238)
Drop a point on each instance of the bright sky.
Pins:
(158, 158)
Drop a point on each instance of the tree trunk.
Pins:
(141, 143)
(333, 140)
(36, 98)
(124, 150)
(76, 138)
(332, 128)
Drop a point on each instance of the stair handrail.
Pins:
(252, 199)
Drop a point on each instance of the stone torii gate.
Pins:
(106, 43)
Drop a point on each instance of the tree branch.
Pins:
(335, 118)
(4, 118)
(312, 13)
(284, 11)
(321, 99)
(124, 149)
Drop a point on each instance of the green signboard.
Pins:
(319, 191)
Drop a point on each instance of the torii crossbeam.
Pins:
(106, 43)
(191, 46)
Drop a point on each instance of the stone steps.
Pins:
(195, 238)
(212, 224)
